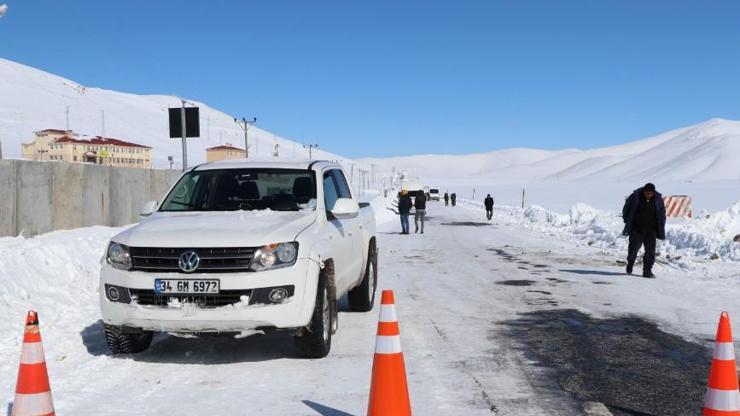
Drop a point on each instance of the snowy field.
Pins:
(454, 291)
(605, 195)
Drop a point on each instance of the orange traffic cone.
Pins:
(722, 397)
(32, 393)
(389, 393)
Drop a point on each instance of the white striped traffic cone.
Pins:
(722, 397)
(32, 392)
(389, 392)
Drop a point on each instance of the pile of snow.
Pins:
(703, 152)
(57, 275)
(688, 241)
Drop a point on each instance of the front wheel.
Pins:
(120, 342)
(362, 298)
(315, 340)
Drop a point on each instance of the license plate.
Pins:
(186, 286)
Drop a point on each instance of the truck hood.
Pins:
(217, 229)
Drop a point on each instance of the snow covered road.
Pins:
(458, 289)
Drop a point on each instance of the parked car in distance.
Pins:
(433, 194)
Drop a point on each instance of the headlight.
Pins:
(274, 256)
(118, 256)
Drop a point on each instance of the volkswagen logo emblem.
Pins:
(188, 261)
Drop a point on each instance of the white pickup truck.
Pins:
(240, 246)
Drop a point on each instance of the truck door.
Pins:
(340, 234)
(355, 229)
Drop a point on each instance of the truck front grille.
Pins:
(225, 297)
(212, 260)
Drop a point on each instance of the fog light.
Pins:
(278, 295)
(117, 294)
(113, 293)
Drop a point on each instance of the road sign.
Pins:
(192, 122)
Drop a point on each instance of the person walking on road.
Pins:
(453, 199)
(488, 202)
(420, 203)
(644, 221)
(404, 208)
(447, 199)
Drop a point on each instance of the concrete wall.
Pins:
(37, 197)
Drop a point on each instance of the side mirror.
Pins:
(345, 208)
(148, 208)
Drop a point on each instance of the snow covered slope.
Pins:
(31, 100)
(704, 152)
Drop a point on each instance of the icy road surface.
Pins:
(456, 288)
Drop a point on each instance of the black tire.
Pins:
(120, 342)
(362, 298)
(315, 340)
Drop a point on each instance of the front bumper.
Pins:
(192, 317)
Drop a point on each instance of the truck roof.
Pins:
(265, 164)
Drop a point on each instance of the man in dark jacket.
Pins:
(404, 208)
(644, 221)
(488, 202)
(420, 203)
(453, 199)
(447, 199)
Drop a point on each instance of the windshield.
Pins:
(434, 191)
(243, 189)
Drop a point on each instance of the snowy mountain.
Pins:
(703, 152)
(31, 100)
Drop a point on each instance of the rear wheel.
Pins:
(315, 340)
(362, 298)
(120, 342)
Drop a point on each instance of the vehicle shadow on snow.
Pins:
(93, 338)
(208, 349)
(325, 410)
(593, 272)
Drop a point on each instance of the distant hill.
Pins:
(31, 99)
(703, 152)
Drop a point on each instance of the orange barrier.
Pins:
(722, 397)
(389, 392)
(677, 206)
(32, 392)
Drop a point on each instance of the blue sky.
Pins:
(382, 78)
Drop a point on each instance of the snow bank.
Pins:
(57, 275)
(708, 237)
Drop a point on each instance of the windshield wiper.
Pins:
(186, 204)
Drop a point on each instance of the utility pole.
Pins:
(102, 122)
(66, 113)
(310, 148)
(244, 124)
(184, 137)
